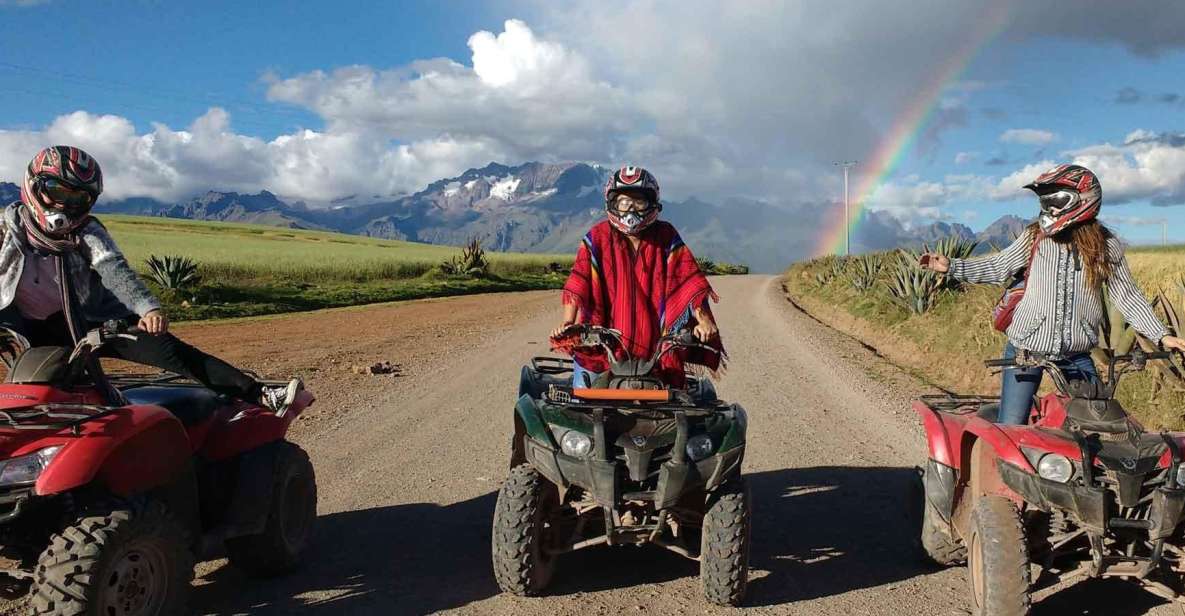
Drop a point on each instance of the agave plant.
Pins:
(173, 272)
(1117, 337)
(953, 247)
(865, 271)
(913, 288)
(472, 261)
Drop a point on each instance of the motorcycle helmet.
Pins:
(632, 199)
(1069, 195)
(60, 187)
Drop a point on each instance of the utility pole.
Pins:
(1164, 232)
(847, 218)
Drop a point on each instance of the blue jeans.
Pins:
(1021, 384)
(579, 374)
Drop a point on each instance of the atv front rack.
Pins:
(53, 416)
(952, 402)
(552, 365)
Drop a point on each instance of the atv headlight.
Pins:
(1181, 476)
(1055, 467)
(699, 447)
(26, 469)
(575, 444)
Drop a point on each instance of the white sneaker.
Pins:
(279, 397)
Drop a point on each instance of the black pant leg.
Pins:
(52, 331)
(168, 352)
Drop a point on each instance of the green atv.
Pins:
(626, 460)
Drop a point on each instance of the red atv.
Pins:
(1082, 490)
(111, 486)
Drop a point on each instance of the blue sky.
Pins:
(169, 61)
(317, 100)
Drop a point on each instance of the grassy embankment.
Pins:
(251, 270)
(946, 344)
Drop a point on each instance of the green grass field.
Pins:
(253, 269)
(946, 344)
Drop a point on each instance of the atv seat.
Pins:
(190, 405)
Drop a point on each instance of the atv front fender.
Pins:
(936, 436)
(130, 451)
(532, 421)
(251, 428)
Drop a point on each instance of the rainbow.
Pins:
(906, 128)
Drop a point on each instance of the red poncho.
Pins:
(643, 294)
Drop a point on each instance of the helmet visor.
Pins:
(65, 197)
(1058, 202)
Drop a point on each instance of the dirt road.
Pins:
(409, 467)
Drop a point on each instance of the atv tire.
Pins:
(934, 537)
(521, 564)
(997, 559)
(290, 519)
(127, 559)
(724, 544)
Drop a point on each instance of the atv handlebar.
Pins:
(1038, 359)
(101, 336)
(1134, 361)
(612, 341)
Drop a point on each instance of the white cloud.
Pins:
(912, 199)
(753, 99)
(1028, 136)
(963, 158)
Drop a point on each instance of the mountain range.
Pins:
(542, 207)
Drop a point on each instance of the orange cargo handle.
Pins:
(646, 395)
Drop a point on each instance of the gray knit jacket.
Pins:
(1060, 313)
(106, 286)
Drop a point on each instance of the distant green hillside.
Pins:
(255, 269)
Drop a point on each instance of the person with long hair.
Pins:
(1070, 256)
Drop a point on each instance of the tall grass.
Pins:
(240, 252)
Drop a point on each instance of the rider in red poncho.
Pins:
(633, 273)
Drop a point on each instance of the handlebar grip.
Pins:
(1000, 363)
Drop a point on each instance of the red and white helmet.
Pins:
(1069, 195)
(61, 185)
(639, 183)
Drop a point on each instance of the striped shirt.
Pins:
(1060, 313)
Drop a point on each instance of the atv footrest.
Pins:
(640, 496)
(1126, 523)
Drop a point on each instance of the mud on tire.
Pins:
(724, 544)
(998, 559)
(934, 539)
(120, 558)
(521, 565)
(291, 516)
